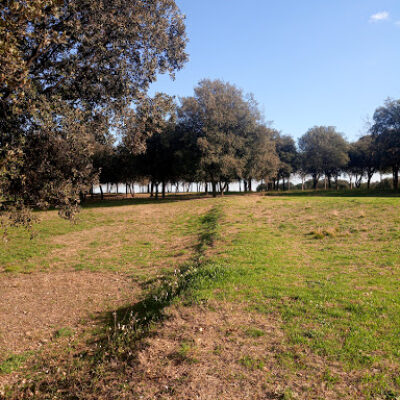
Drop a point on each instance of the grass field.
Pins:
(241, 297)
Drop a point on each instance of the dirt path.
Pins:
(34, 307)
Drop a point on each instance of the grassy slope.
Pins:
(326, 268)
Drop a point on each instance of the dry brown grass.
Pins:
(210, 353)
(33, 307)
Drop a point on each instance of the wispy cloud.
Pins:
(397, 23)
(380, 16)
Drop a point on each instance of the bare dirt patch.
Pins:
(34, 307)
(230, 353)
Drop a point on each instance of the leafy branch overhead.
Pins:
(69, 73)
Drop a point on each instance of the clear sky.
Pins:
(310, 62)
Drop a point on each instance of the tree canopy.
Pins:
(70, 71)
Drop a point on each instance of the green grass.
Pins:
(325, 267)
(14, 362)
(328, 267)
(123, 236)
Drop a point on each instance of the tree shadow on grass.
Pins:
(98, 370)
(119, 202)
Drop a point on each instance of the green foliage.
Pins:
(70, 71)
(386, 131)
(324, 151)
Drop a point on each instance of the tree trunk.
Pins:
(101, 193)
(152, 189)
(369, 180)
(395, 178)
(206, 188)
(315, 181)
(214, 188)
(156, 185)
(163, 190)
(250, 185)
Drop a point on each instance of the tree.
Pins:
(73, 61)
(261, 159)
(325, 152)
(386, 132)
(363, 160)
(221, 119)
(154, 119)
(287, 153)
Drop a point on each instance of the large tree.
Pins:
(69, 73)
(363, 162)
(325, 152)
(221, 118)
(287, 153)
(261, 159)
(386, 131)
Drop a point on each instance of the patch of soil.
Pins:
(34, 307)
(230, 353)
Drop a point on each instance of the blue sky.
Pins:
(312, 62)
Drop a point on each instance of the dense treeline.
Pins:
(218, 137)
(74, 112)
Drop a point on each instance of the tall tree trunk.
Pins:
(101, 193)
(240, 186)
(315, 181)
(156, 185)
(206, 188)
(395, 178)
(214, 188)
(329, 182)
(250, 185)
(163, 190)
(152, 189)
(369, 180)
